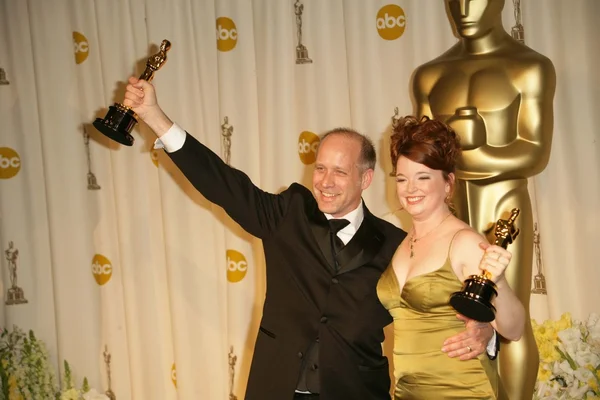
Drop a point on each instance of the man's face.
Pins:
(472, 19)
(338, 181)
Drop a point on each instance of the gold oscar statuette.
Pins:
(120, 120)
(489, 76)
(475, 299)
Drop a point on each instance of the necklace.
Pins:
(414, 240)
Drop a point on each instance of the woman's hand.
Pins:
(494, 261)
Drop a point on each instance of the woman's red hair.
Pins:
(426, 141)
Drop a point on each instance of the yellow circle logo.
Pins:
(226, 34)
(101, 268)
(81, 47)
(237, 266)
(174, 375)
(308, 143)
(154, 157)
(10, 163)
(390, 22)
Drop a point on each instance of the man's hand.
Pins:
(141, 98)
(470, 343)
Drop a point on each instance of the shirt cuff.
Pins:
(172, 140)
(491, 346)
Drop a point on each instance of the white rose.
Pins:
(92, 394)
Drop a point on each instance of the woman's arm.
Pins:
(470, 255)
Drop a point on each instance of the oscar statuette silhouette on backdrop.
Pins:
(120, 120)
(497, 94)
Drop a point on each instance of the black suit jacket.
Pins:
(305, 298)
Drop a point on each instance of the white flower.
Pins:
(570, 372)
(583, 374)
(586, 358)
(29, 372)
(71, 394)
(94, 395)
(564, 369)
(578, 393)
(570, 337)
(593, 322)
(593, 327)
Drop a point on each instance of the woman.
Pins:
(440, 252)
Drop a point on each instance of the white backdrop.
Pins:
(146, 266)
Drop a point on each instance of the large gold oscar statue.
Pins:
(497, 94)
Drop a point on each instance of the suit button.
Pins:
(323, 320)
(334, 280)
(300, 354)
(314, 367)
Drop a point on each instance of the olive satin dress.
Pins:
(423, 319)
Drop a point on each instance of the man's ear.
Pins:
(367, 178)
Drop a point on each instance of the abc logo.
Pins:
(226, 34)
(174, 375)
(390, 22)
(154, 157)
(82, 48)
(237, 266)
(10, 163)
(102, 269)
(308, 143)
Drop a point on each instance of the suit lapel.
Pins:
(320, 229)
(363, 247)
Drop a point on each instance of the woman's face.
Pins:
(420, 189)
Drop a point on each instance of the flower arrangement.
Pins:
(569, 358)
(26, 373)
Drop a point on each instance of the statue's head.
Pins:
(472, 19)
(165, 45)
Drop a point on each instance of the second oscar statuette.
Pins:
(474, 301)
(120, 120)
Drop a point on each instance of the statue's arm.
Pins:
(528, 153)
(536, 115)
(419, 92)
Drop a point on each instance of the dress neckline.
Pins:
(413, 278)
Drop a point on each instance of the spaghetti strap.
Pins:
(452, 240)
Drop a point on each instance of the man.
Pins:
(322, 326)
(497, 94)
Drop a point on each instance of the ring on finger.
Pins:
(469, 349)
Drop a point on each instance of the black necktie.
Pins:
(336, 225)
